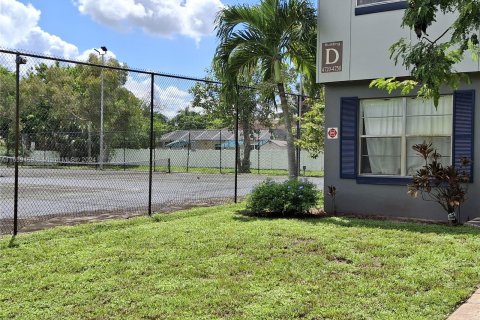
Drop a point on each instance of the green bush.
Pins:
(288, 198)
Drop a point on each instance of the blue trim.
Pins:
(381, 8)
(392, 181)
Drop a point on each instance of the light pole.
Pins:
(102, 54)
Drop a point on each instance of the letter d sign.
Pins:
(332, 56)
(332, 53)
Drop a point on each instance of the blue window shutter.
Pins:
(348, 137)
(463, 125)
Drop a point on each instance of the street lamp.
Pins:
(102, 54)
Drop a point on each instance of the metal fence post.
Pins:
(154, 152)
(258, 152)
(220, 141)
(299, 114)
(237, 149)
(18, 61)
(124, 150)
(150, 176)
(188, 151)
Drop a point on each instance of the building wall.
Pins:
(386, 200)
(366, 39)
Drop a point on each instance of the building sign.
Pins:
(332, 133)
(332, 56)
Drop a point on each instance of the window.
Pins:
(388, 128)
(374, 6)
(352, 127)
(362, 3)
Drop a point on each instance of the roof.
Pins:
(217, 135)
(177, 144)
(231, 143)
(280, 143)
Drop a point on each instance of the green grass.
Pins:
(212, 263)
(269, 172)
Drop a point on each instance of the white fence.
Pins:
(266, 159)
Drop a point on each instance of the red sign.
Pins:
(332, 133)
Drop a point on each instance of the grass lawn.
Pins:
(212, 263)
(269, 172)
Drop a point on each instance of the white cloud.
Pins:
(191, 18)
(19, 30)
(171, 99)
(167, 100)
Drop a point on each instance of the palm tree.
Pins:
(270, 36)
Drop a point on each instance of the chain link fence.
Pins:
(80, 138)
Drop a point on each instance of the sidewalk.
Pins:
(470, 310)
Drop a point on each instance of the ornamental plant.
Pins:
(289, 198)
(446, 185)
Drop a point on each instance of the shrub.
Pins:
(288, 198)
(446, 185)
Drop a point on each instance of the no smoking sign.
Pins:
(332, 133)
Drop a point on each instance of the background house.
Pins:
(371, 161)
(216, 149)
(224, 139)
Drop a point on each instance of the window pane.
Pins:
(424, 119)
(382, 117)
(370, 2)
(443, 145)
(380, 156)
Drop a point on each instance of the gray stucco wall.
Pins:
(367, 38)
(385, 200)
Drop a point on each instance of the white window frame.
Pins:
(376, 3)
(403, 136)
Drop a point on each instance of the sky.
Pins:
(167, 36)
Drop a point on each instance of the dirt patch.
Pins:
(51, 221)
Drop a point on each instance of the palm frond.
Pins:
(271, 33)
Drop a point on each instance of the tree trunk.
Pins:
(245, 162)
(292, 163)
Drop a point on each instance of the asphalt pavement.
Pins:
(66, 191)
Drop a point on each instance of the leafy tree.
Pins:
(312, 129)
(210, 97)
(188, 120)
(207, 96)
(432, 61)
(48, 104)
(125, 116)
(7, 108)
(161, 125)
(268, 36)
(60, 109)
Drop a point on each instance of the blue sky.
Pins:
(171, 36)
